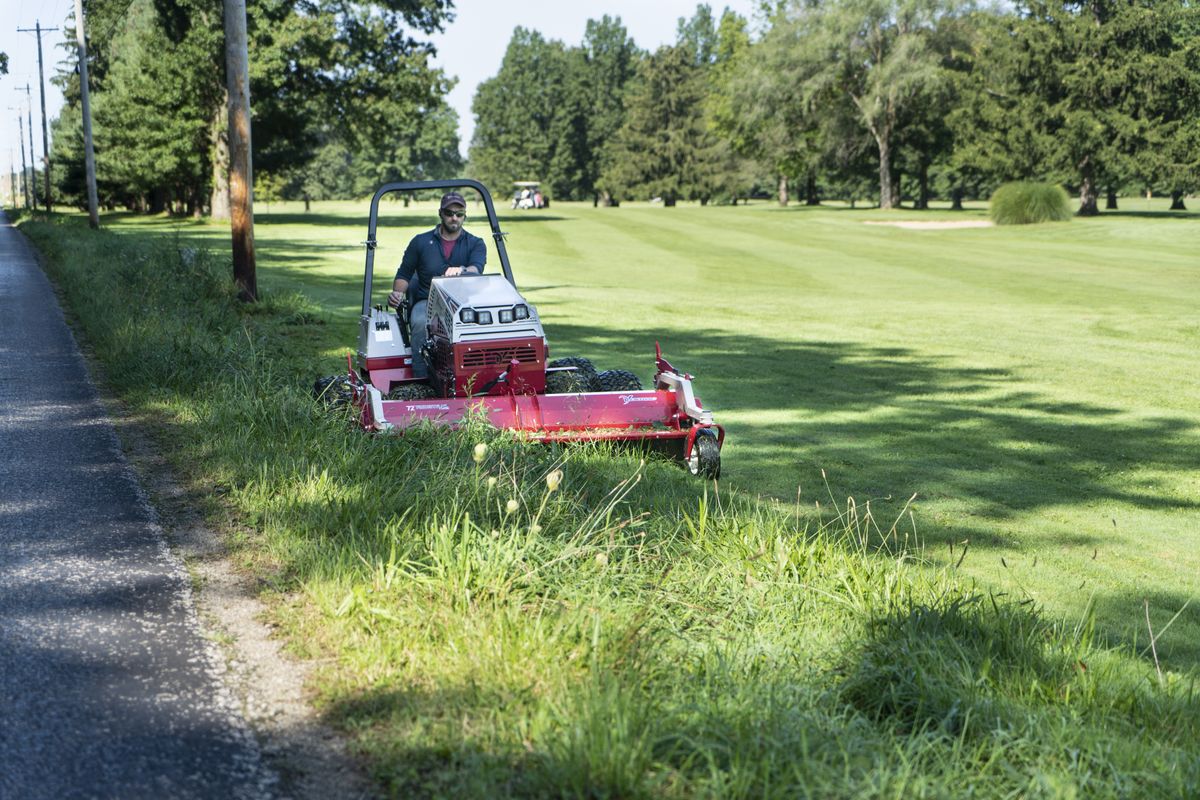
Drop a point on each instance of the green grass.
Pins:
(1032, 386)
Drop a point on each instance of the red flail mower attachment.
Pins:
(668, 413)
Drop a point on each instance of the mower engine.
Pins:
(484, 338)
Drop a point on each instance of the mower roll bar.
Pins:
(408, 186)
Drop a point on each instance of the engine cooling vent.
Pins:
(484, 356)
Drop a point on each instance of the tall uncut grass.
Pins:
(1027, 202)
(500, 619)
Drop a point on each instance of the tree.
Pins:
(1088, 92)
(665, 146)
(320, 70)
(880, 54)
(610, 60)
(762, 105)
(152, 117)
(516, 110)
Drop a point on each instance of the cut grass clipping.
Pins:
(500, 619)
(1025, 203)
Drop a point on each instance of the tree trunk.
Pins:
(956, 196)
(1110, 202)
(783, 190)
(1177, 201)
(669, 199)
(887, 188)
(811, 198)
(307, 203)
(923, 187)
(219, 136)
(1087, 190)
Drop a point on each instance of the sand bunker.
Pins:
(932, 224)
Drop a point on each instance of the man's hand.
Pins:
(453, 272)
(394, 299)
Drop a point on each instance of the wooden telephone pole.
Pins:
(31, 182)
(24, 180)
(88, 153)
(39, 30)
(241, 173)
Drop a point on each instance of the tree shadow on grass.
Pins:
(1178, 648)
(895, 421)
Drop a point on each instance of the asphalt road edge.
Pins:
(260, 680)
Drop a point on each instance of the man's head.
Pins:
(453, 210)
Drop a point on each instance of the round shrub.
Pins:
(1025, 202)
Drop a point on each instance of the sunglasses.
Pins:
(448, 213)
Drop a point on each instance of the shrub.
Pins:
(1024, 202)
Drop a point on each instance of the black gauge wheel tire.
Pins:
(335, 391)
(412, 391)
(566, 383)
(582, 367)
(617, 380)
(705, 461)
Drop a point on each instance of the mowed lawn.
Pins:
(1035, 387)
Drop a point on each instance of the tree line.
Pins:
(881, 101)
(873, 100)
(344, 97)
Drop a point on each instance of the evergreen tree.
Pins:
(1085, 92)
(610, 60)
(665, 148)
(516, 135)
(319, 70)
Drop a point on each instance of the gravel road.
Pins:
(107, 687)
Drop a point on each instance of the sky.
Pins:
(471, 48)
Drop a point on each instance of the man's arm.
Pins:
(404, 275)
(476, 258)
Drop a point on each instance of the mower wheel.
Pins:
(705, 461)
(566, 383)
(412, 391)
(616, 380)
(582, 367)
(335, 391)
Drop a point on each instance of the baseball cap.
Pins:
(451, 199)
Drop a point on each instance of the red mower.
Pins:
(488, 355)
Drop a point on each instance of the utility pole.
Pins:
(32, 182)
(38, 29)
(88, 152)
(24, 180)
(241, 173)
